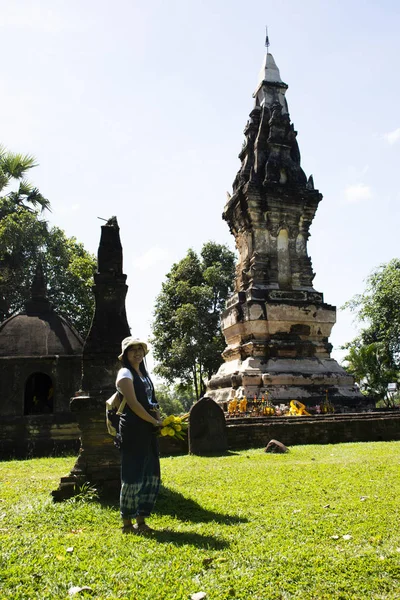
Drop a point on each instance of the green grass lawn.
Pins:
(320, 522)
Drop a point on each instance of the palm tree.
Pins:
(13, 167)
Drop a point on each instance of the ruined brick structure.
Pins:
(276, 325)
(40, 368)
(99, 461)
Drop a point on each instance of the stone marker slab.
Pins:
(207, 428)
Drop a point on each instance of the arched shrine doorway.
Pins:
(39, 392)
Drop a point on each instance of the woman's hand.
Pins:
(157, 423)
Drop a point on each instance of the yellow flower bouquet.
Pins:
(174, 427)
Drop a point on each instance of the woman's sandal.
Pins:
(142, 528)
(128, 528)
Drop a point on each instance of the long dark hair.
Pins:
(142, 366)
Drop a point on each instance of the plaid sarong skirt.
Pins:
(140, 482)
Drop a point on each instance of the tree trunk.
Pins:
(196, 387)
(201, 382)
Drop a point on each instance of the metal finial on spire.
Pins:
(266, 39)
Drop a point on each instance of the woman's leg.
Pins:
(129, 498)
(150, 487)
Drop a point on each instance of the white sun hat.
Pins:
(130, 341)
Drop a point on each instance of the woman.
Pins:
(140, 463)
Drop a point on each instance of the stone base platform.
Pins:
(285, 379)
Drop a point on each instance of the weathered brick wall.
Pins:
(332, 429)
(51, 435)
(38, 435)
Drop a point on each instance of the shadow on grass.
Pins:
(218, 454)
(183, 538)
(170, 502)
(175, 504)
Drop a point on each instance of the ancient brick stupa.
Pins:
(276, 325)
(40, 368)
(99, 461)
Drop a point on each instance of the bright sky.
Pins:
(137, 109)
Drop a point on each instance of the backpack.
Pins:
(114, 408)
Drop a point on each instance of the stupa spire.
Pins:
(38, 288)
(109, 325)
(269, 72)
(270, 88)
(270, 153)
(38, 302)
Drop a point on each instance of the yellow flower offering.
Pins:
(174, 427)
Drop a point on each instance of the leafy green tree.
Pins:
(379, 309)
(25, 238)
(174, 400)
(372, 368)
(374, 356)
(187, 336)
(70, 270)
